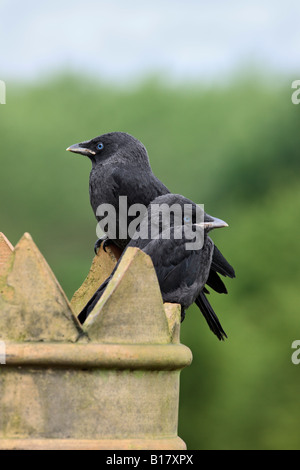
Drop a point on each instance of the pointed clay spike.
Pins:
(38, 309)
(102, 266)
(5, 241)
(131, 308)
(173, 314)
(27, 236)
(6, 250)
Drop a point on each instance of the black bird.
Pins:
(121, 167)
(182, 273)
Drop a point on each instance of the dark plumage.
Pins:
(182, 274)
(120, 167)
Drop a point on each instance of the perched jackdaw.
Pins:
(121, 167)
(182, 273)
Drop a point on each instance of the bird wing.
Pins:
(177, 267)
(184, 273)
(215, 282)
(173, 276)
(221, 265)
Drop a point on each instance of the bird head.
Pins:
(173, 216)
(185, 212)
(116, 146)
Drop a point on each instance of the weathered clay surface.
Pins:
(112, 383)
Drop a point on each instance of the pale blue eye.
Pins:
(100, 146)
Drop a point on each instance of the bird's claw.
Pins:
(104, 241)
(99, 243)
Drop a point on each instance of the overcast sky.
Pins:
(123, 39)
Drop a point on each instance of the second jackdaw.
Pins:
(182, 271)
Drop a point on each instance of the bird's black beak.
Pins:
(82, 149)
(211, 222)
(215, 223)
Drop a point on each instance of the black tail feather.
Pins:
(216, 283)
(221, 265)
(210, 316)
